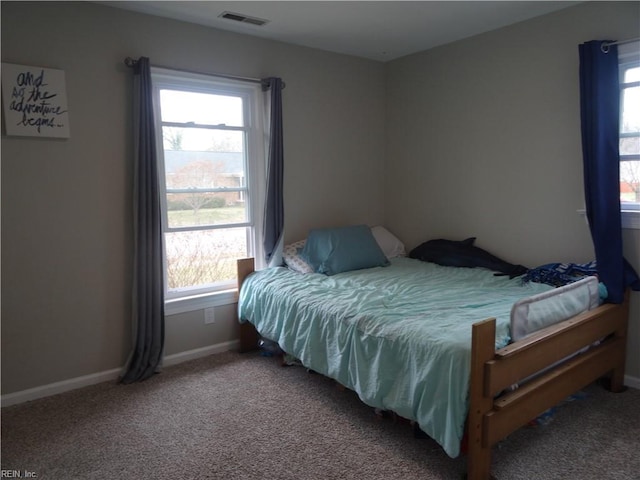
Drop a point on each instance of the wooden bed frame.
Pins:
(492, 416)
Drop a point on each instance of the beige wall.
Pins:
(484, 140)
(66, 204)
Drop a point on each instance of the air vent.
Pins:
(238, 17)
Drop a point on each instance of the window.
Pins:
(629, 62)
(211, 162)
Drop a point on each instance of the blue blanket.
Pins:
(558, 274)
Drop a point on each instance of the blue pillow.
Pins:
(336, 250)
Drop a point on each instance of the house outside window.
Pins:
(211, 162)
(629, 64)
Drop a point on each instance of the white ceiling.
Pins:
(378, 30)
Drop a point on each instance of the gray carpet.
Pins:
(232, 416)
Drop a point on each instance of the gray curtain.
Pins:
(274, 205)
(148, 287)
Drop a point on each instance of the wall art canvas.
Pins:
(35, 101)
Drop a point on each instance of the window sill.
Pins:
(630, 218)
(175, 306)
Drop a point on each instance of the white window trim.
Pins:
(256, 178)
(630, 217)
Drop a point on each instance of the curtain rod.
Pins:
(605, 46)
(130, 62)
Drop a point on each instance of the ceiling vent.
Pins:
(238, 17)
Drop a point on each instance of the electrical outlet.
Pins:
(209, 315)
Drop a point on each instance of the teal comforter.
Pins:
(399, 336)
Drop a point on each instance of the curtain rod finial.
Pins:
(130, 62)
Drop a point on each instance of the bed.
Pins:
(434, 343)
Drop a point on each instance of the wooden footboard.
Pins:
(494, 415)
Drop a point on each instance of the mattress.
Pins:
(399, 336)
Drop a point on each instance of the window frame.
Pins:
(197, 298)
(628, 57)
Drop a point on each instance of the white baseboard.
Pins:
(108, 375)
(633, 382)
(112, 375)
(200, 352)
(59, 387)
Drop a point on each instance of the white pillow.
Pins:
(389, 243)
(547, 308)
(292, 258)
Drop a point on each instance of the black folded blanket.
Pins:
(464, 254)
